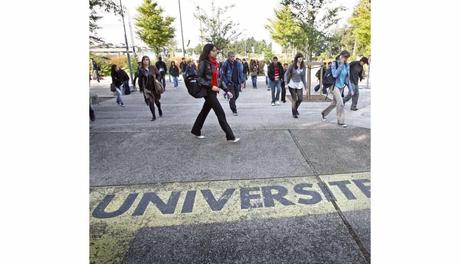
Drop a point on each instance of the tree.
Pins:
(101, 5)
(217, 28)
(360, 22)
(155, 30)
(245, 46)
(314, 18)
(284, 30)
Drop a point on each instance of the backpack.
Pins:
(192, 86)
(328, 78)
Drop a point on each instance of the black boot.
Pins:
(152, 109)
(159, 108)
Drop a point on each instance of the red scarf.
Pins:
(215, 71)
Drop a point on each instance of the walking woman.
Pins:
(295, 80)
(254, 72)
(148, 74)
(117, 81)
(174, 72)
(207, 78)
(341, 71)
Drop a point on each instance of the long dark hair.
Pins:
(206, 50)
(142, 61)
(113, 69)
(298, 55)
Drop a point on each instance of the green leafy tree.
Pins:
(285, 30)
(244, 46)
(314, 18)
(108, 6)
(217, 27)
(360, 23)
(155, 30)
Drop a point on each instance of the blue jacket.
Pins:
(336, 71)
(226, 73)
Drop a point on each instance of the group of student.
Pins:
(231, 75)
(343, 74)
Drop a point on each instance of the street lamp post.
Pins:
(126, 42)
(181, 30)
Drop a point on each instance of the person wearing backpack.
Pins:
(148, 75)
(232, 77)
(340, 70)
(207, 79)
(161, 66)
(356, 75)
(295, 79)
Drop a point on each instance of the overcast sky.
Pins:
(251, 15)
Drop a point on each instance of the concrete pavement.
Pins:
(244, 202)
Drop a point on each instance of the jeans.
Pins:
(235, 90)
(163, 80)
(275, 85)
(354, 98)
(297, 97)
(254, 81)
(245, 77)
(176, 82)
(211, 102)
(338, 103)
(119, 94)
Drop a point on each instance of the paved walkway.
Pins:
(291, 191)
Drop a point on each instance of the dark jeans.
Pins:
(163, 80)
(283, 91)
(276, 88)
(211, 102)
(235, 90)
(297, 97)
(354, 98)
(254, 81)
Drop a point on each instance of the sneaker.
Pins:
(235, 114)
(200, 137)
(323, 117)
(277, 102)
(234, 140)
(354, 109)
(295, 116)
(273, 104)
(122, 105)
(343, 125)
(153, 119)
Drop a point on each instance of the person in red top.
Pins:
(275, 73)
(207, 79)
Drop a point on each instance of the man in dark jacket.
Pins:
(356, 75)
(245, 71)
(182, 65)
(231, 73)
(275, 74)
(161, 66)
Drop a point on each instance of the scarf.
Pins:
(214, 62)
